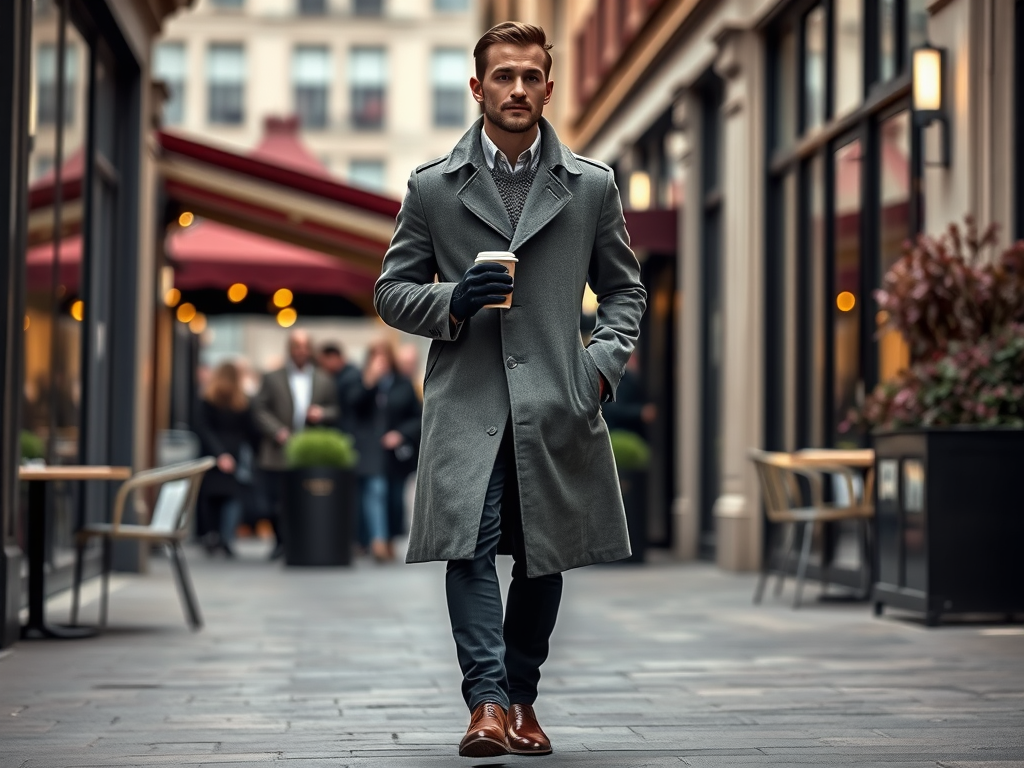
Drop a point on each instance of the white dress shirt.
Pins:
(300, 381)
(528, 159)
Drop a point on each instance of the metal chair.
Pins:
(169, 524)
(779, 475)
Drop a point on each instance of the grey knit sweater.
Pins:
(513, 188)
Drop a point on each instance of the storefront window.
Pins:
(894, 227)
(848, 383)
(887, 43)
(848, 61)
(785, 103)
(814, 68)
(917, 22)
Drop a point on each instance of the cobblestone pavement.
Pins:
(662, 665)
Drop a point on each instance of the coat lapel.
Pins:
(546, 198)
(548, 195)
(480, 195)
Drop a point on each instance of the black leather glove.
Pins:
(484, 283)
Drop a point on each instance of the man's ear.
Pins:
(547, 91)
(478, 90)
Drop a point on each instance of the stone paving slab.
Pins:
(662, 665)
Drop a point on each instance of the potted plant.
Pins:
(949, 429)
(32, 447)
(632, 456)
(320, 520)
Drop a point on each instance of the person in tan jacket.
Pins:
(290, 399)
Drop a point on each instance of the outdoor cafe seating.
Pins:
(793, 487)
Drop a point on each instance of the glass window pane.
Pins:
(169, 65)
(814, 68)
(785, 90)
(368, 174)
(368, 7)
(451, 5)
(449, 74)
(226, 77)
(848, 76)
(894, 227)
(368, 78)
(917, 23)
(311, 66)
(888, 44)
(312, 7)
(848, 381)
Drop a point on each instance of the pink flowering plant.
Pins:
(960, 308)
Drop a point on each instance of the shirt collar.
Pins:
(494, 155)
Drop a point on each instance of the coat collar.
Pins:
(552, 152)
(547, 196)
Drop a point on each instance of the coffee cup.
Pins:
(507, 260)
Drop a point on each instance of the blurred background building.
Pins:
(378, 86)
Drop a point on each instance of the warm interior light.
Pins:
(186, 219)
(237, 292)
(286, 317)
(28, 322)
(846, 301)
(927, 79)
(78, 310)
(172, 297)
(589, 301)
(639, 191)
(186, 312)
(282, 297)
(198, 323)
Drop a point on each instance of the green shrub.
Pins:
(630, 450)
(32, 446)
(320, 447)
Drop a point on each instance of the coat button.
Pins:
(492, 431)
(511, 362)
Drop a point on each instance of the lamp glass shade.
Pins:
(927, 79)
(639, 191)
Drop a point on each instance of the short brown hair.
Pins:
(516, 33)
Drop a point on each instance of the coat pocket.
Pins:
(433, 355)
(593, 375)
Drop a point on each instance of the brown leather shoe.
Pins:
(485, 736)
(525, 736)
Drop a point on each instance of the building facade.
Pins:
(783, 134)
(78, 257)
(379, 86)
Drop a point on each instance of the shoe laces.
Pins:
(491, 709)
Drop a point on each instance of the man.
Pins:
(334, 361)
(289, 399)
(514, 446)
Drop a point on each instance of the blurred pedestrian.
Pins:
(334, 361)
(290, 398)
(226, 430)
(385, 417)
(407, 360)
(515, 455)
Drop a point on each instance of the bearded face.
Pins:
(515, 87)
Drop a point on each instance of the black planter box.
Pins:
(320, 518)
(950, 521)
(634, 499)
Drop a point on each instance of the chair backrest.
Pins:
(176, 500)
(779, 485)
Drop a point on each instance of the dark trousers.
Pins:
(500, 661)
(272, 483)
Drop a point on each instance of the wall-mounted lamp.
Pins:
(929, 104)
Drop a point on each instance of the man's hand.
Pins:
(392, 439)
(226, 463)
(484, 283)
(282, 435)
(315, 414)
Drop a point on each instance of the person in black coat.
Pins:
(385, 418)
(226, 430)
(334, 362)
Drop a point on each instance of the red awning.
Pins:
(39, 265)
(213, 255)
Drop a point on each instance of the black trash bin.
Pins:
(320, 517)
(634, 499)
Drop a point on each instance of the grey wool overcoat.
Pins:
(527, 361)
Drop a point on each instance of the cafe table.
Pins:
(37, 477)
(835, 460)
